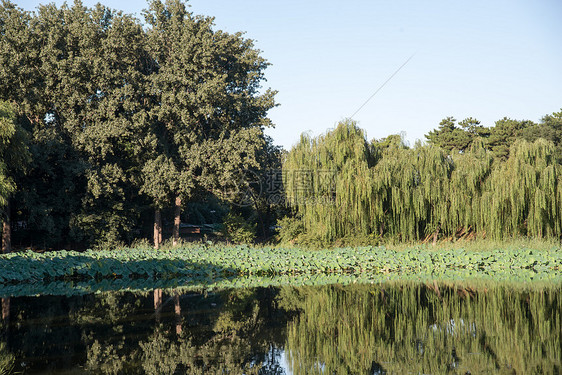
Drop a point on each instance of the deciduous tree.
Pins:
(208, 114)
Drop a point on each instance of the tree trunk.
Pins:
(177, 222)
(177, 310)
(160, 230)
(6, 309)
(6, 318)
(7, 231)
(157, 228)
(435, 235)
(157, 303)
(157, 299)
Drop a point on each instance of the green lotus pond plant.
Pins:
(203, 266)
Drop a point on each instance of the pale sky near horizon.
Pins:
(482, 59)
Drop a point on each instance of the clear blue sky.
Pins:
(485, 59)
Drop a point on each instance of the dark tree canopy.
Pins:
(498, 138)
(14, 154)
(125, 116)
(449, 136)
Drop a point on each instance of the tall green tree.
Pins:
(207, 114)
(81, 84)
(7, 131)
(504, 134)
(449, 136)
(473, 127)
(144, 114)
(452, 136)
(524, 193)
(98, 103)
(328, 181)
(549, 128)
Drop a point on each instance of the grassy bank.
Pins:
(482, 244)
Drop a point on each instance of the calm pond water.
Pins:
(354, 329)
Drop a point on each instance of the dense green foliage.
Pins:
(384, 188)
(14, 153)
(125, 117)
(7, 131)
(499, 138)
(238, 230)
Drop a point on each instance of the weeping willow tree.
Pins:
(409, 186)
(466, 186)
(524, 194)
(340, 185)
(327, 180)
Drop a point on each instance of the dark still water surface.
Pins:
(354, 329)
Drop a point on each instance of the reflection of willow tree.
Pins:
(6, 359)
(224, 332)
(351, 329)
(416, 330)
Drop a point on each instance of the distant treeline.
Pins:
(467, 180)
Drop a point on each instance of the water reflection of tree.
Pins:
(216, 333)
(337, 329)
(40, 333)
(413, 329)
(118, 333)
